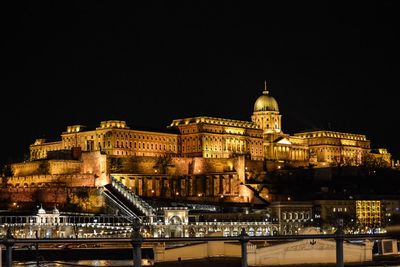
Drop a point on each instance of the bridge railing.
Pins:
(137, 240)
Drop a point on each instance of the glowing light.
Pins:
(284, 141)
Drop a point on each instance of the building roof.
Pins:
(215, 121)
(266, 102)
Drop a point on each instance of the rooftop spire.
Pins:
(265, 92)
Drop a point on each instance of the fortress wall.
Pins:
(21, 198)
(95, 163)
(70, 180)
(180, 166)
(64, 166)
(157, 165)
(254, 165)
(25, 168)
(42, 195)
(209, 165)
(47, 167)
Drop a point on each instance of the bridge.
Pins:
(137, 241)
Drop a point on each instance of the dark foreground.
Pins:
(123, 257)
(76, 254)
(235, 262)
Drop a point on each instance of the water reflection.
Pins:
(113, 263)
(82, 263)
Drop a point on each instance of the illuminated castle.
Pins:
(260, 139)
(195, 158)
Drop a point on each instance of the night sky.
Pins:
(329, 65)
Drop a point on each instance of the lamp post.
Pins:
(9, 243)
(244, 239)
(137, 241)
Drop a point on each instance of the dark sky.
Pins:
(329, 65)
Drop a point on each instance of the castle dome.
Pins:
(266, 102)
(55, 210)
(41, 210)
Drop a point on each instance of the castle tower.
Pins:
(266, 113)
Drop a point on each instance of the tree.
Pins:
(350, 224)
(83, 196)
(162, 164)
(38, 196)
(43, 167)
(7, 171)
(59, 186)
(373, 163)
(115, 165)
(69, 205)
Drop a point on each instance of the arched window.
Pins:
(251, 231)
(175, 220)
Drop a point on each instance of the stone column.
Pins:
(339, 244)
(163, 189)
(244, 239)
(140, 186)
(208, 186)
(157, 187)
(216, 185)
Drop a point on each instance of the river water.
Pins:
(200, 263)
(82, 263)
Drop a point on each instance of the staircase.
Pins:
(257, 195)
(115, 204)
(130, 203)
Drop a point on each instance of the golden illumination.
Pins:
(234, 130)
(210, 137)
(368, 212)
(284, 141)
(266, 103)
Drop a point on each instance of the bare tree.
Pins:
(6, 173)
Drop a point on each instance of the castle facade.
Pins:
(261, 139)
